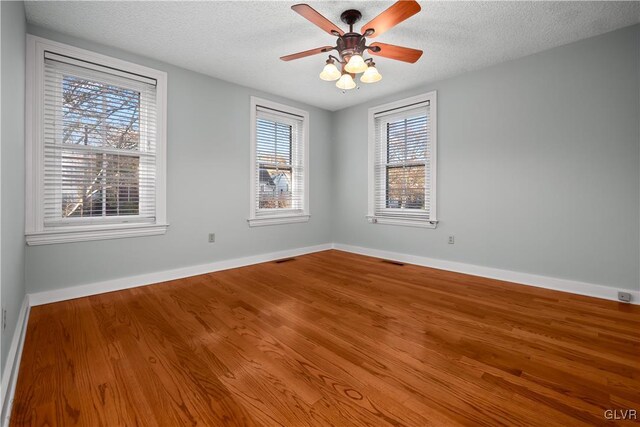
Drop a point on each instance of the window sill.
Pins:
(406, 222)
(87, 233)
(277, 220)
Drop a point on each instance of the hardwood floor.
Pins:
(329, 338)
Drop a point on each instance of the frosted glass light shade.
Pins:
(346, 82)
(355, 65)
(371, 75)
(330, 72)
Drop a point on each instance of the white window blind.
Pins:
(99, 142)
(403, 163)
(279, 163)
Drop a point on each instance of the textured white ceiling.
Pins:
(241, 41)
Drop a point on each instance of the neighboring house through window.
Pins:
(279, 164)
(95, 146)
(402, 162)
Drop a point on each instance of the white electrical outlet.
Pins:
(212, 237)
(452, 240)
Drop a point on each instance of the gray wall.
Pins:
(538, 172)
(538, 166)
(13, 63)
(207, 188)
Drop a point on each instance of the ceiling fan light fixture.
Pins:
(330, 72)
(356, 64)
(346, 82)
(371, 75)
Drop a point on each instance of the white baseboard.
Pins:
(12, 365)
(47, 297)
(571, 286)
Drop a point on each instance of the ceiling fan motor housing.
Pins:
(351, 44)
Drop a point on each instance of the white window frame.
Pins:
(35, 231)
(282, 216)
(374, 218)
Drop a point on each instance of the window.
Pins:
(402, 162)
(279, 164)
(95, 146)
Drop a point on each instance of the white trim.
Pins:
(97, 67)
(406, 222)
(102, 232)
(546, 282)
(1, 145)
(47, 297)
(432, 222)
(434, 156)
(277, 218)
(35, 229)
(12, 365)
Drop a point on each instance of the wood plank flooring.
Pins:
(329, 339)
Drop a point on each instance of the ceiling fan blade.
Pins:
(314, 16)
(398, 53)
(391, 17)
(307, 53)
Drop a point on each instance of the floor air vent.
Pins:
(280, 261)
(388, 261)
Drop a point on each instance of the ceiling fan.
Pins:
(351, 46)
